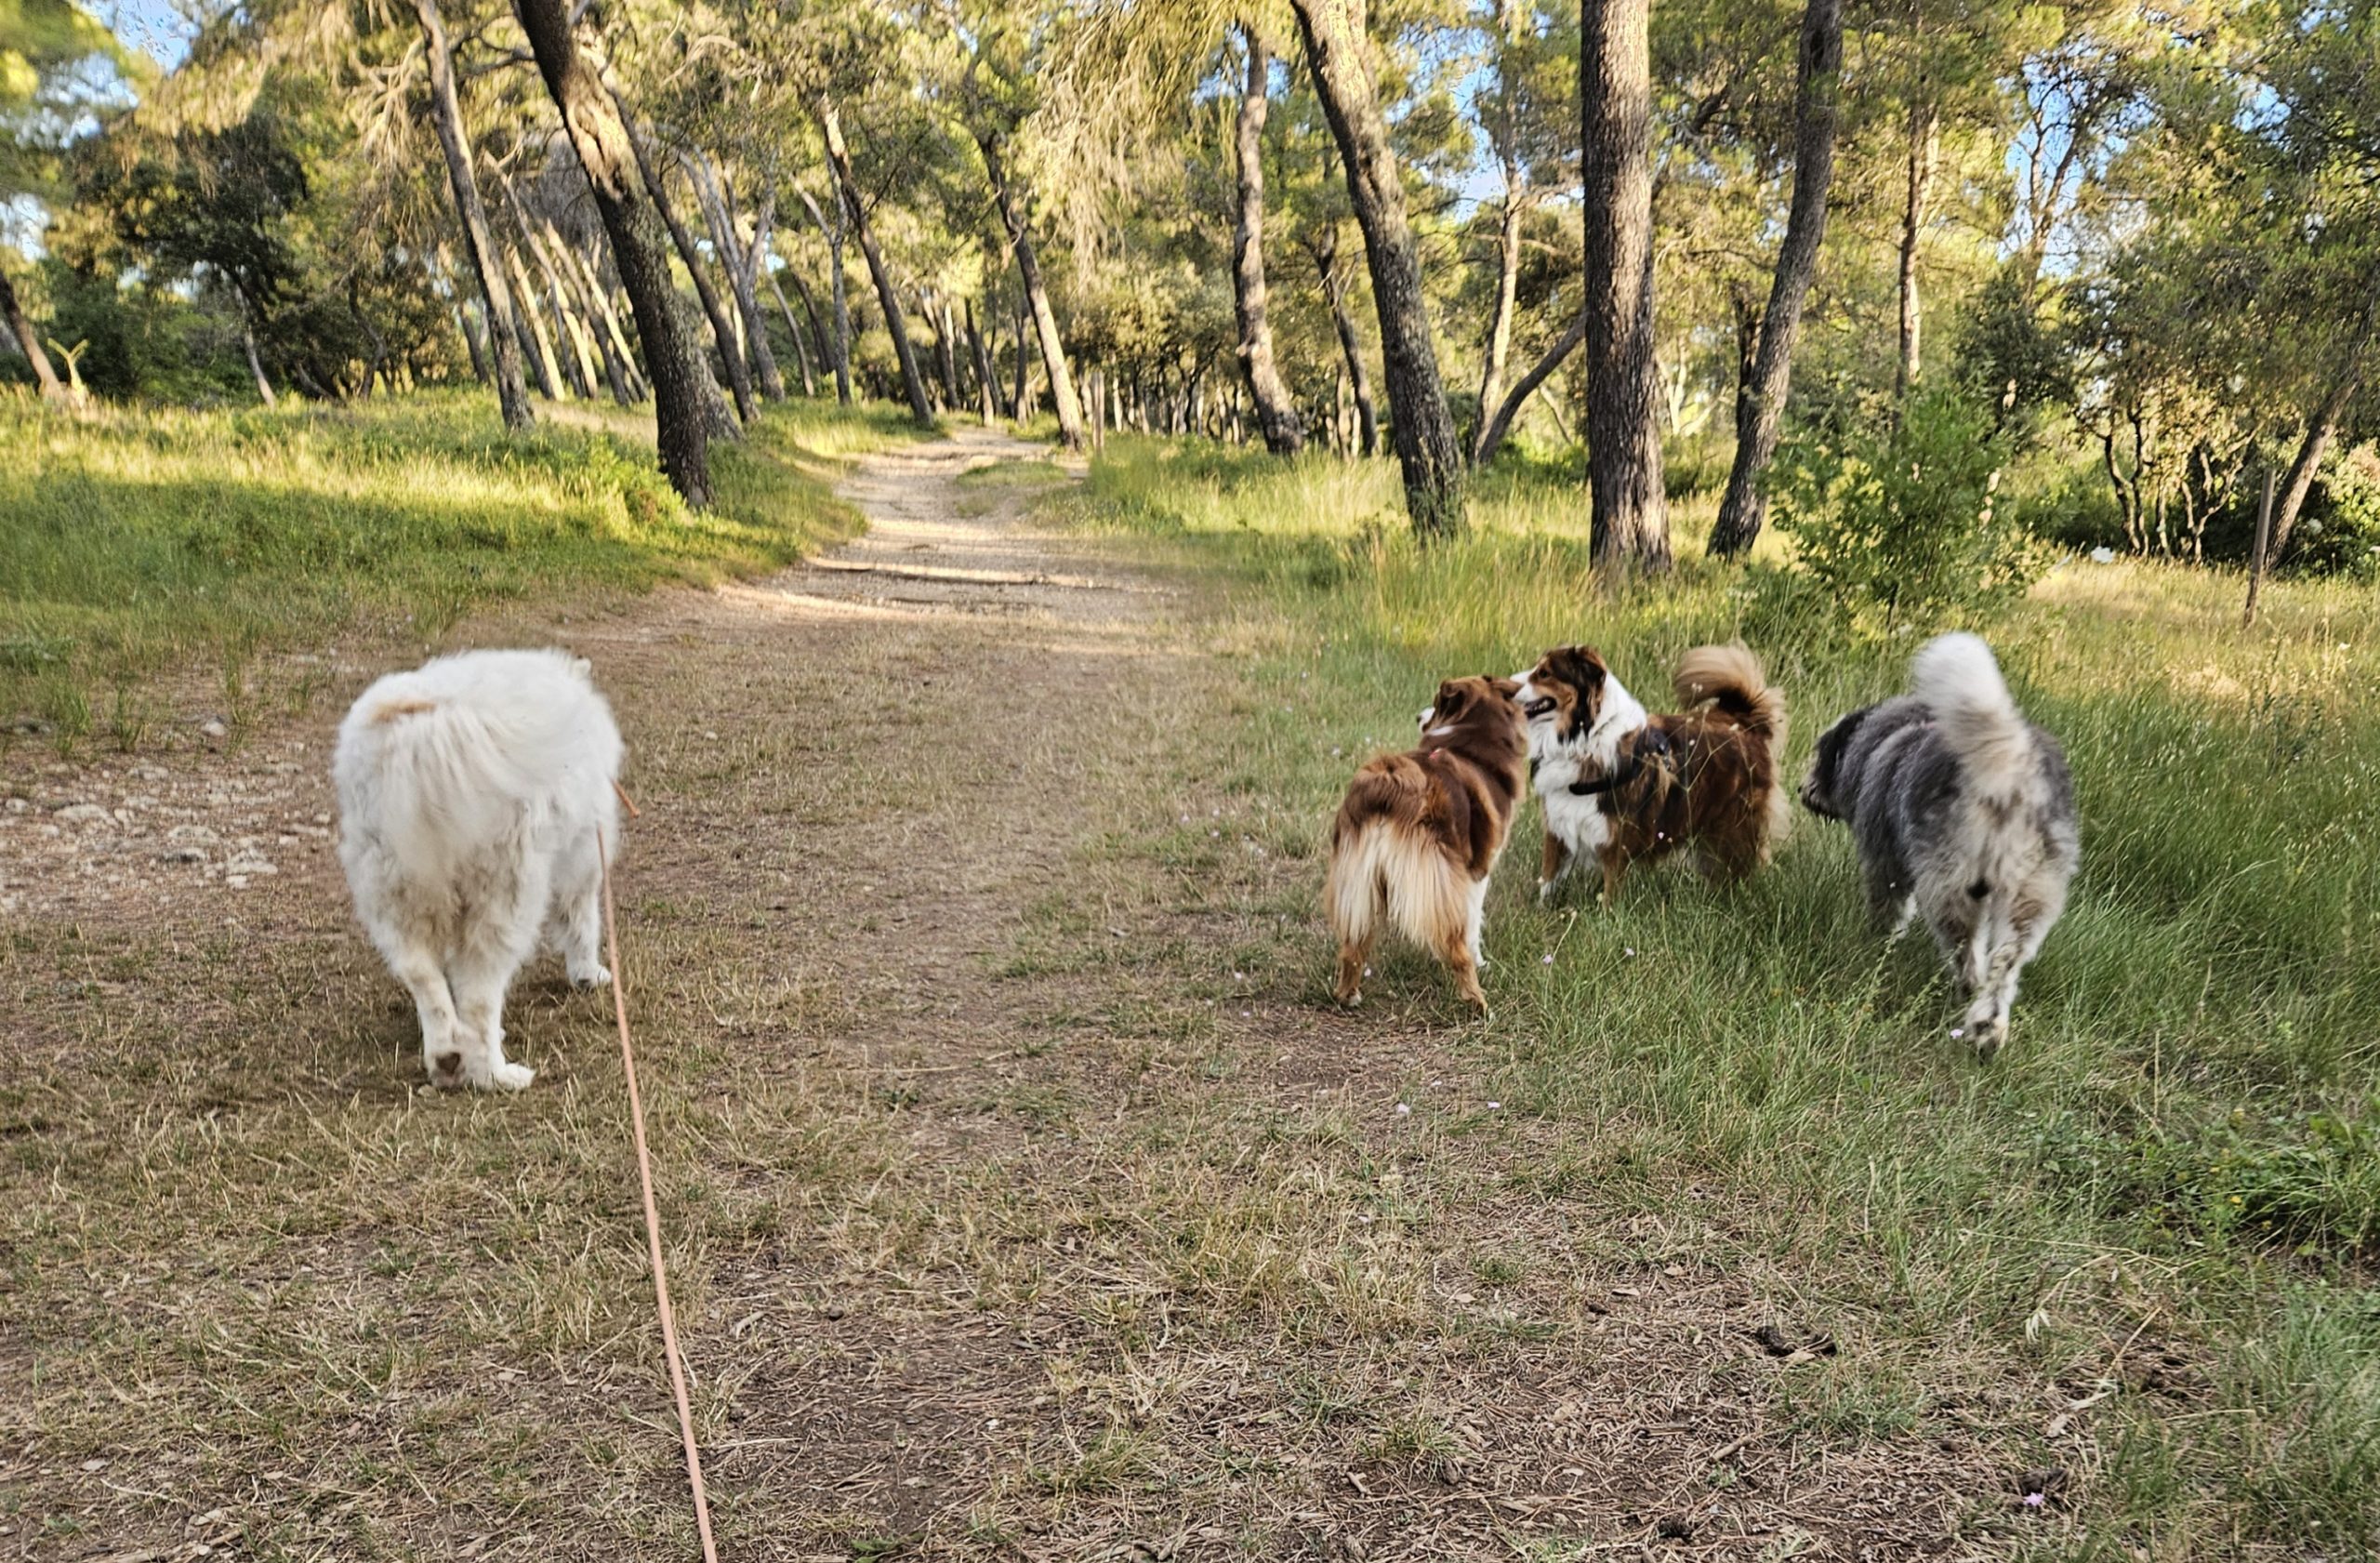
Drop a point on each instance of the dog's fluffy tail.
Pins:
(1384, 866)
(1731, 678)
(1957, 679)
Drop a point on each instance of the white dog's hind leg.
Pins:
(444, 1043)
(1478, 919)
(480, 981)
(578, 915)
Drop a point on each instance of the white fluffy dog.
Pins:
(472, 793)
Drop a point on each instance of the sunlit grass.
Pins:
(2182, 1144)
(132, 539)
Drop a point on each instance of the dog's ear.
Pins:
(1451, 699)
(1578, 665)
(1506, 689)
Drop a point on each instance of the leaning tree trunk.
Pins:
(1499, 327)
(1277, 414)
(1325, 247)
(1817, 107)
(793, 329)
(741, 279)
(722, 330)
(888, 296)
(446, 115)
(983, 364)
(1630, 524)
(2320, 429)
(839, 351)
(1925, 146)
(1045, 320)
(599, 135)
(549, 366)
(1426, 450)
(20, 327)
(1492, 433)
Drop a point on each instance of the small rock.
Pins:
(80, 814)
(213, 728)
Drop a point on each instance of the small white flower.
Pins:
(1957, 1031)
(1495, 1106)
(1403, 1110)
(2103, 555)
(1631, 954)
(1549, 961)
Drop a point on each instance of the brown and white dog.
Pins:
(1419, 832)
(1627, 786)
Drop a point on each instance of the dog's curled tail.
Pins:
(1731, 678)
(1957, 680)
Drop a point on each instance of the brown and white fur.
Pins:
(1627, 786)
(1419, 834)
(477, 800)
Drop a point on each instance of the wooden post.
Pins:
(2257, 564)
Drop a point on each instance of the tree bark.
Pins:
(480, 369)
(737, 257)
(1325, 248)
(614, 335)
(1427, 454)
(1925, 146)
(1277, 414)
(1499, 327)
(607, 154)
(29, 340)
(544, 361)
(2320, 429)
(722, 330)
(1492, 433)
(793, 329)
(1045, 319)
(446, 115)
(983, 364)
(888, 296)
(255, 360)
(840, 354)
(1817, 107)
(1631, 524)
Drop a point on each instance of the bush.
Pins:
(1902, 529)
(2340, 532)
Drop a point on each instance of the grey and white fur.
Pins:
(1963, 814)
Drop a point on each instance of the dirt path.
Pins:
(1024, 1200)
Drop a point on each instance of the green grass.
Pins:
(133, 540)
(2168, 1182)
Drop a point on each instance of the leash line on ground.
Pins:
(652, 1211)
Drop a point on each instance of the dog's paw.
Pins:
(445, 1069)
(1545, 892)
(599, 976)
(511, 1077)
(1351, 1000)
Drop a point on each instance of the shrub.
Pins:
(2340, 532)
(1902, 529)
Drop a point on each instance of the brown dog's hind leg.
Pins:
(1615, 868)
(1551, 867)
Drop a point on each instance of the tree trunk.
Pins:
(547, 365)
(615, 337)
(256, 361)
(1924, 145)
(479, 370)
(1325, 247)
(607, 154)
(1045, 320)
(2320, 429)
(29, 340)
(1499, 327)
(1426, 452)
(1277, 414)
(820, 341)
(1630, 524)
(1491, 437)
(946, 362)
(1016, 396)
(888, 296)
(983, 365)
(742, 278)
(446, 115)
(722, 330)
(1817, 107)
(839, 351)
(792, 329)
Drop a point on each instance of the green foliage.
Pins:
(1901, 529)
(2340, 532)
